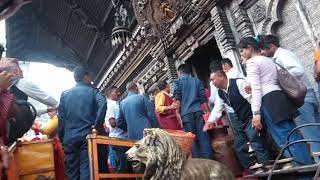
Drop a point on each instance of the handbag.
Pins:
(21, 121)
(295, 89)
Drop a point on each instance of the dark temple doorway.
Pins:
(201, 60)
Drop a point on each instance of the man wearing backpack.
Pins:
(309, 112)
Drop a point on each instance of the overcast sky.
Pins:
(49, 78)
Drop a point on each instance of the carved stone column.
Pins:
(242, 21)
(223, 29)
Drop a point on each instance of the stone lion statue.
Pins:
(164, 160)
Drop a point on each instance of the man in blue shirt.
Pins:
(189, 93)
(134, 113)
(81, 108)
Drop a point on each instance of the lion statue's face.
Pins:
(164, 160)
(138, 155)
(160, 153)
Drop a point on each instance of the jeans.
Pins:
(112, 157)
(103, 158)
(318, 82)
(309, 113)
(243, 132)
(201, 148)
(279, 132)
(77, 161)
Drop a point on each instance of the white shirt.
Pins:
(220, 105)
(233, 73)
(213, 92)
(33, 91)
(292, 64)
(113, 111)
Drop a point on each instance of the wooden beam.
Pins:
(93, 141)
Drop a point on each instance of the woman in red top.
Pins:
(166, 110)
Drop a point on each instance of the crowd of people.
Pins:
(256, 104)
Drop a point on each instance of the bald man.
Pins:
(134, 113)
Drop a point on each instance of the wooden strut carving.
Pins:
(120, 33)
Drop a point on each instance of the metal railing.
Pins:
(288, 144)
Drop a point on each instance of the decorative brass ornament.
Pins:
(167, 12)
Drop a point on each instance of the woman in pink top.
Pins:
(277, 111)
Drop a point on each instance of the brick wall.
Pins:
(293, 34)
(312, 8)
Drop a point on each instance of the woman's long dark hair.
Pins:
(250, 41)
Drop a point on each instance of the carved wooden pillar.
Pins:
(169, 60)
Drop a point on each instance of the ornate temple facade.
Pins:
(196, 32)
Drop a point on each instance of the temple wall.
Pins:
(294, 36)
(296, 22)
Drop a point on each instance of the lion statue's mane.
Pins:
(165, 160)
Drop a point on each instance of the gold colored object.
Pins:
(36, 158)
(167, 11)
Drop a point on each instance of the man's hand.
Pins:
(256, 122)
(4, 80)
(317, 70)
(36, 125)
(173, 106)
(112, 122)
(248, 89)
(179, 120)
(208, 126)
(4, 158)
(94, 131)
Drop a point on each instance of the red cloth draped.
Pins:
(58, 159)
(168, 120)
(6, 103)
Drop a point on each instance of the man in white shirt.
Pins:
(112, 115)
(309, 112)
(231, 72)
(227, 67)
(232, 92)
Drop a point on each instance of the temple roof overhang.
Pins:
(65, 33)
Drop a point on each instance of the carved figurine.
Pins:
(167, 11)
(164, 159)
(124, 15)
